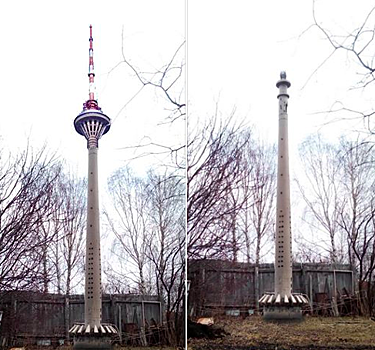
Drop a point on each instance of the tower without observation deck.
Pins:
(283, 305)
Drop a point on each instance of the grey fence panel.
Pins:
(29, 316)
(224, 285)
(152, 313)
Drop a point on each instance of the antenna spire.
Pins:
(91, 103)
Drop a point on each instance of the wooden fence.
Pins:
(29, 317)
(224, 286)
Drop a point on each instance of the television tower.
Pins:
(92, 123)
(283, 305)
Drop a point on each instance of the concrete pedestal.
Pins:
(91, 342)
(283, 314)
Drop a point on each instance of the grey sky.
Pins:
(236, 50)
(44, 65)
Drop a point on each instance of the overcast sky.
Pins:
(44, 66)
(236, 50)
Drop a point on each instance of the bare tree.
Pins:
(169, 82)
(215, 156)
(362, 248)
(115, 283)
(358, 43)
(256, 216)
(166, 245)
(72, 218)
(340, 201)
(148, 220)
(49, 230)
(357, 215)
(26, 186)
(166, 79)
(357, 161)
(129, 223)
(252, 223)
(308, 252)
(63, 232)
(230, 224)
(321, 192)
(261, 165)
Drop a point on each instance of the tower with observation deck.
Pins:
(92, 123)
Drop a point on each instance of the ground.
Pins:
(114, 348)
(253, 333)
(146, 348)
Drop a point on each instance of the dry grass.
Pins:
(66, 347)
(145, 348)
(314, 332)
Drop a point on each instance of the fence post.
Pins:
(143, 327)
(334, 297)
(119, 321)
(67, 317)
(311, 293)
(256, 284)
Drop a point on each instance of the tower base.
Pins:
(283, 308)
(283, 314)
(100, 338)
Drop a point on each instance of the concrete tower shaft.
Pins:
(283, 242)
(93, 295)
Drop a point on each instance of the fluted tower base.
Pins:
(92, 343)
(282, 309)
(101, 337)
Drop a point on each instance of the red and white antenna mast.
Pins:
(91, 103)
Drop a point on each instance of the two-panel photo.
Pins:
(184, 174)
